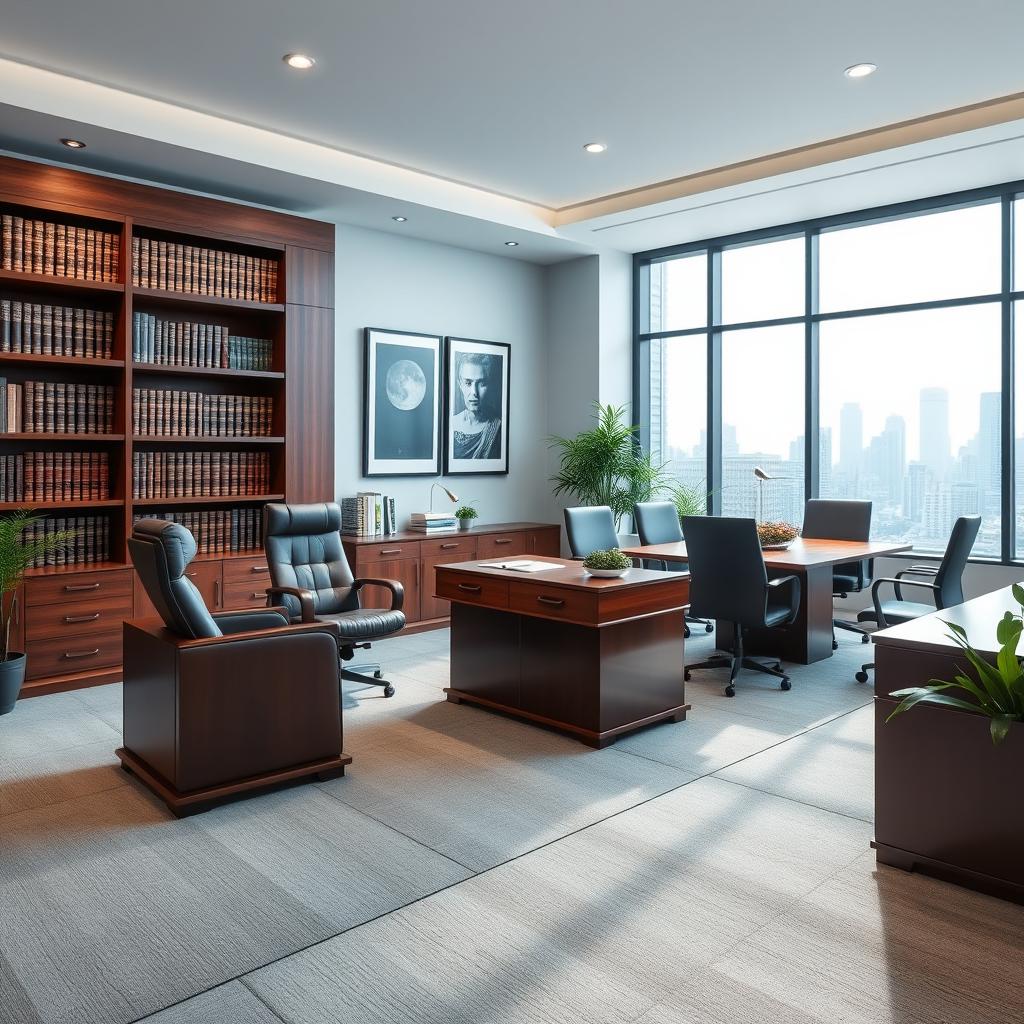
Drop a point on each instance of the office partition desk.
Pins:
(809, 638)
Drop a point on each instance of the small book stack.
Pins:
(157, 412)
(180, 343)
(174, 267)
(48, 407)
(60, 250)
(432, 522)
(218, 532)
(90, 543)
(368, 514)
(199, 474)
(40, 330)
(55, 476)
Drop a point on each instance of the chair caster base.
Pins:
(389, 690)
(864, 638)
(785, 685)
(709, 628)
(730, 691)
(686, 676)
(835, 645)
(861, 676)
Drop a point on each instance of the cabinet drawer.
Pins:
(72, 618)
(552, 602)
(387, 552)
(76, 586)
(206, 576)
(451, 549)
(478, 590)
(246, 570)
(62, 656)
(502, 545)
(251, 593)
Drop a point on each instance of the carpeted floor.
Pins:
(474, 869)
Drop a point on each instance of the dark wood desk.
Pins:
(809, 638)
(591, 657)
(945, 796)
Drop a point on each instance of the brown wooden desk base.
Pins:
(593, 683)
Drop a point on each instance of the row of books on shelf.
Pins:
(61, 250)
(44, 330)
(55, 476)
(90, 540)
(48, 407)
(220, 531)
(432, 522)
(368, 514)
(199, 474)
(157, 412)
(180, 343)
(198, 270)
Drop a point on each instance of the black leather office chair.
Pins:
(657, 522)
(728, 581)
(945, 582)
(311, 575)
(590, 528)
(836, 519)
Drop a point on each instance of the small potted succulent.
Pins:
(465, 515)
(610, 564)
(776, 536)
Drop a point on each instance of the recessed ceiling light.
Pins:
(860, 70)
(595, 147)
(400, 220)
(511, 243)
(299, 61)
(73, 143)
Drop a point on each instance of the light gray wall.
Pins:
(407, 284)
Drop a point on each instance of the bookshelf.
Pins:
(221, 316)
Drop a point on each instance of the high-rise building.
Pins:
(887, 458)
(851, 440)
(989, 448)
(935, 442)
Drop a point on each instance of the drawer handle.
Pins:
(81, 654)
(191, 574)
(390, 551)
(82, 618)
(72, 588)
(555, 602)
(470, 588)
(257, 594)
(448, 547)
(261, 568)
(504, 540)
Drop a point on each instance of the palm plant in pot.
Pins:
(16, 555)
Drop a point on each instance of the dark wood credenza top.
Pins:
(407, 536)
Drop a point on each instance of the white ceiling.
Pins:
(502, 96)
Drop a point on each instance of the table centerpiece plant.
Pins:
(465, 515)
(609, 564)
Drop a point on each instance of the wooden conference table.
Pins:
(591, 657)
(809, 638)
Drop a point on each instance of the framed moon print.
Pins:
(476, 406)
(401, 403)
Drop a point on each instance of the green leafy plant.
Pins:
(689, 499)
(17, 555)
(611, 559)
(998, 691)
(777, 533)
(466, 512)
(605, 465)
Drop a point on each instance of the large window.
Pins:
(858, 356)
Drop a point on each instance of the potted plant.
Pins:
(465, 515)
(17, 555)
(605, 465)
(689, 499)
(776, 536)
(609, 564)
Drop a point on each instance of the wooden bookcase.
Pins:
(70, 615)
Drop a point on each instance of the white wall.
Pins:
(407, 284)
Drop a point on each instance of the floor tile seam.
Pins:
(274, 1012)
(792, 799)
(66, 800)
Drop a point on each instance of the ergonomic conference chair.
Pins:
(729, 582)
(657, 522)
(220, 704)
(311, 576)
(838, 519)
(945, 582)
(590, 528)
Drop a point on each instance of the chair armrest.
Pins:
(792, 581)
(920, 570)
(304, 597)
(896, 583)
(243, 620)
(396, 588)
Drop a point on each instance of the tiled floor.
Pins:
(474, 869)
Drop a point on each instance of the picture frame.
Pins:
(402, 402)
(476, 407)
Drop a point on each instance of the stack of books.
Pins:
(48, 407)
(60, 250)
(90, 543)
(368, 514)
(181, 343)
(218, 531)
(43, 330)
(432, 522)
(54, 476)
(199, 474)
(157, 412)
(174, 267)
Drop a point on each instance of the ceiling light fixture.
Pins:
(299, 61)
(860, 70)
(511, 243)
(400, 220)
(595, 147)
(73, 143)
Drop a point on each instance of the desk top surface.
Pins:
(566, 573)
(406, 536)
(801, 554)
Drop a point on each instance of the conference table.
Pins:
(809, 637)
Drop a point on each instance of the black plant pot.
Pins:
(12, 675)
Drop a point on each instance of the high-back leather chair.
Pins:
(729, 582)
(590, 528)
(204, 692)
(311, 575)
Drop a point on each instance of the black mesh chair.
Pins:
(657, 522)
(311, 576)
(944, 581)
(590, 528)
(728, 581)
(834, 519)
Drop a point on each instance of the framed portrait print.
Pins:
(401, 403)
(476, 406)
